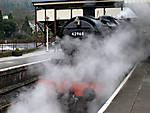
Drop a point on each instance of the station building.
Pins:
(50, 13)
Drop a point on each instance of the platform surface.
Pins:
(26, 58)
(135, 95)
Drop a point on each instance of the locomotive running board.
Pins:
(109, 101)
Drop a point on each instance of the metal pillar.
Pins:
(55, 29)
(36, 31)
(122, 7)
(71, 13)
(45, 26)
(46, 31)
(104, 11)
(47, 38)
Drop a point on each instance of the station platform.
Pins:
(134, 97)
(41, 55)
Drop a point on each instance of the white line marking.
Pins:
(7, 62)
(108, 102)
(22, 65)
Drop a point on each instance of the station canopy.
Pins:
(64, 4)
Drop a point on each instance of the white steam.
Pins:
(40, 100)
(99, 60)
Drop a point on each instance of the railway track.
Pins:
(4, 103)
(3, 109)
(6, 98)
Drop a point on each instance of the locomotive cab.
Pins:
(109, 21)
(107, 25)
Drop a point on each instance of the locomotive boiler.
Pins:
(81, 26)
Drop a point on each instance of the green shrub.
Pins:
(9, 53)
(5, 54)
(17, 49)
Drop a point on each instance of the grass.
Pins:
(9, 53)
(5, 54)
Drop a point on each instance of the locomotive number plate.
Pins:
(77, 33)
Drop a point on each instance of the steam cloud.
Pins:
(98, 60)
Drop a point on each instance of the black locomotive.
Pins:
(79, 27)
(81, 93)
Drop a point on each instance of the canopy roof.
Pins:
(69, 0)
(64, 4)
(48, 0)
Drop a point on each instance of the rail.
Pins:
(3, 109)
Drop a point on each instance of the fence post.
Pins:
(2, 46)
(16, 44)
(13, 45)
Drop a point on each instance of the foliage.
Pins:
(10, 16)
(1, 34)
(8, 5)
(17, 49)
(1, 17)
(1, 30)
(26, 27)
(16, 26)
(19, 9)
(5, 54)
(19, 15)
(9, 53)
(7, 28)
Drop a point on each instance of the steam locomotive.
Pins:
(79, 27)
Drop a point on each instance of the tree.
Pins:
(1, 27)
(26, 27)
(1, 30)
(9, 27)
(10, 16)
(1, 17)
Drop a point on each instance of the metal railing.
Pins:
(6, 46)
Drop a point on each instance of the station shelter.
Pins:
(50, 15)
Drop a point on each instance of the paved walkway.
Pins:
(135, 96)
(27, 58)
